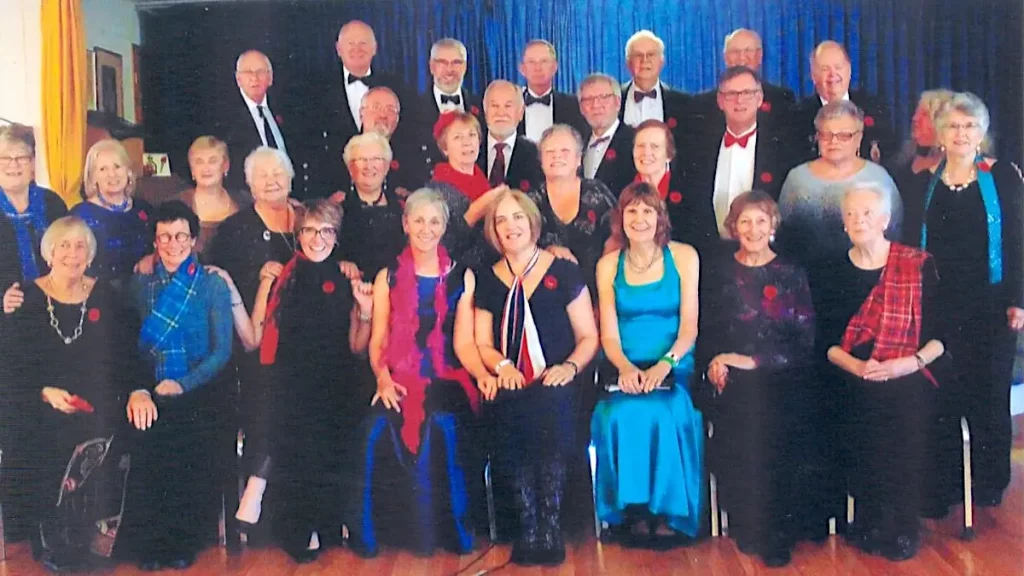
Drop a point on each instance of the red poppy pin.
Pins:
(394, 164)
(610, 155)
(474, 110)
(869, 121)
(192, 269)
(984, 166)
(770, 292)
(675, 197)
(767, 177)
(328, 287)
(278, 119)
(524, 186)
(94, 315)
(671, 122)
(143, 216)
(766, 106)
(592, 216)
(550, 282)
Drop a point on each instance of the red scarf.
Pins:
(662, 184)
(472, 185)
(403, 356)
(272, 330)
(891, 314)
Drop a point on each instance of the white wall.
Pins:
(20, 65)
(114, 25)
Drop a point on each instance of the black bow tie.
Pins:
(639, 95)
(364, 79)
(454, 99)
(545, 99)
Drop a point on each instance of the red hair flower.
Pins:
(767, 177)
(279, 119)
(671, 122)
(328, 287)
(443, 122)
(94, 315)
(592, 216)
(143, 216)
(610, 154)
(675, 197)
(770, 292)
(550, 282)
(869, 121)
(524, 186)
(474, 110)
(394, 164)
(984, 166)
(766, 106)
(192, 269)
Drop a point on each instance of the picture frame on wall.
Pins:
(109, 82)
(90, 80)
(137, 81)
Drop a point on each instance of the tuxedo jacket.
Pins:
(565, 110)
(679, 112)
(234, 124)
(775, 109)
(524, 172)
(772, 161)
(337, 127)
(616, 169)
(878, 132)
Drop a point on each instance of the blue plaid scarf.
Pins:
(161, 338)
(36, 216)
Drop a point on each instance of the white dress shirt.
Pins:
(594, 153)
(355, 92)
(448, 106)
(254, 110)
(539, 117)
(510, 145)
(637, 112)
(845, 97)
(733, 176)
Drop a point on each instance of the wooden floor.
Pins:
(997, 551)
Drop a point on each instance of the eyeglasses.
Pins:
(180, 237)
(378, 108)
(840, 136)
(446, 63)
(309, 232)
(602, 98)
(370, 160)
(644, 55)
(261, 73)
(733, 95)
(12, 160)
(952, 127)
(742, 51)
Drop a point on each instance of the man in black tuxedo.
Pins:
(743, 48)
(608, 156)
(544, 106)
(646, 96)
(830, 70)
(248, 122)
(508, 157)
(741, 154)
(356, 47)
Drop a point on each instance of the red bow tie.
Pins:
(741, 140)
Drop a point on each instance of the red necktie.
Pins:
(498, 168)
(741, 140)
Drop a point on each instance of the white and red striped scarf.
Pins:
(520, 341)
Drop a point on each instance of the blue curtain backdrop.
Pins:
(898, 47)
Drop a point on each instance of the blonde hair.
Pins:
(90, 187)
(208, 143)
(62, 228)
(528, 206)
(366, 140)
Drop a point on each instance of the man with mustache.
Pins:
(830, 70)
(544, 106)
(510, 157)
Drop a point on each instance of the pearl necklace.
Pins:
(960, 187)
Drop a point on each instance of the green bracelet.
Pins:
(673, 362)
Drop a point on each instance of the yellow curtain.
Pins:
(64, 90)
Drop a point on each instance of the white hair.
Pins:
(876, 188)
(368, 139)
(427, 196)
(737, 32)
(448, 43)
(267, 153)
(599, 77)
(644, 35)
(505, 83)
(967, 104)
(266, 59)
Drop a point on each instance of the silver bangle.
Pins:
(504, 362)
(365, 317)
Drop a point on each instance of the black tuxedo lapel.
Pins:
(524, 171)
(616, 169)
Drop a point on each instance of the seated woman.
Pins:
(648, 436)
(69, 363)
(886, 291)
(414, 486)
(118, 219)
(311, 307)
(761, 339)
(535, 331)
(186, 336)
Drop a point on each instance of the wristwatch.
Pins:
(671, 357)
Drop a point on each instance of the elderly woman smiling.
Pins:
(885, 334)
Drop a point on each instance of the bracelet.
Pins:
(502, 364)
(575, 368)
(365, 317)
(672, 361)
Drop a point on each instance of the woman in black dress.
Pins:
(882, 299)
(536, 332)
(971, 219)
(69, 363)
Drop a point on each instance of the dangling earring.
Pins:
(771, 238)
(942, 148)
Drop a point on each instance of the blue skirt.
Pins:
(650, 453)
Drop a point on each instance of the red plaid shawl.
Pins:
(891, 314)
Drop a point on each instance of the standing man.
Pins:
(646, 96)
(510, 158)
(608, 156)
(544, 106)
(830, 70)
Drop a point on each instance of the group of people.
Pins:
(627, 269)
